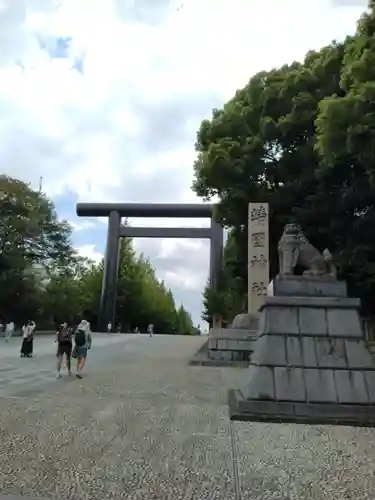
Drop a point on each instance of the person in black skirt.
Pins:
(27, 340)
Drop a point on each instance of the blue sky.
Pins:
(103, 98)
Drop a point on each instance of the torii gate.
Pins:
(115, 211)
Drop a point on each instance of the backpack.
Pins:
(65, 334)
(80, 338)
(31, 333)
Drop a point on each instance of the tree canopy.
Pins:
(302, 138)
(43, 277)
(228, 299)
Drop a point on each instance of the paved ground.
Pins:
(144, 425)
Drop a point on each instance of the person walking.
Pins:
(24, 346)
(82, 341)
(150, 329)
(64, 347)
(28, 340)
(109, 327)
(9, 330)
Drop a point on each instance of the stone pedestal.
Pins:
(300, 286)
(230, 346)
(310, 362)
(230, 339)
(245, 321)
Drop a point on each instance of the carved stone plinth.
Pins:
(230, 339)
(230, 346)
(310, 364)
(302, 286)
(246, 321)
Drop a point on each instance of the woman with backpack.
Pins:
(64, 346)
(82, 340)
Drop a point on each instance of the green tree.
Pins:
(42, 276)
(68, 294)
(141, 298)
(262, 146)
(229, 299)
(184, 322)
(30, 231)
(62, 301)
(30, 236)
(346, 144)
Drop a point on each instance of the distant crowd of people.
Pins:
(27, 336)
(150, 329)
(65, 335)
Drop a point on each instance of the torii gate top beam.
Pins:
(188, 210)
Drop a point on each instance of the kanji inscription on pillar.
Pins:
(258, 257)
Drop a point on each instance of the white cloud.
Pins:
(182, 277)
(81, 225)
(90, 252)
(123, 129)
(169, 247)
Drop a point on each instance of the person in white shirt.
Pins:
(9, 330)
(109, 327)
(28, 340)
(150, 329)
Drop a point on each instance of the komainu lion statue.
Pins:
(294, 248)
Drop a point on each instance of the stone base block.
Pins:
(313, 302)
(312, 352)
(205, 357)
(245, 321)
(232, 333)
(307, 385)
(219, 355)
(299, 413)
(303, 286)
(306, 316)
(230, 345)
(231, 339)
(215, 363)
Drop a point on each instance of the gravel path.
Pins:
(145, 425)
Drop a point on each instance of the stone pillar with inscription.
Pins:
(258, 256)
